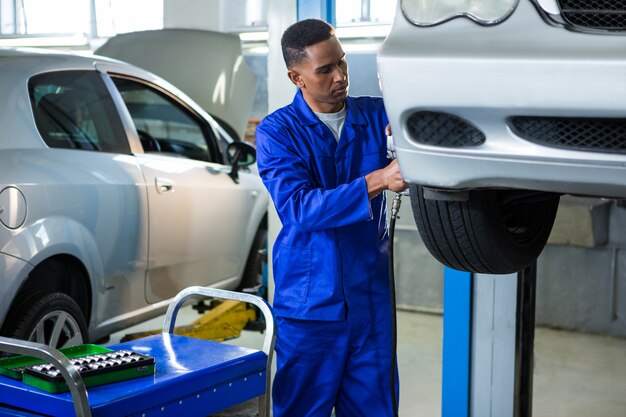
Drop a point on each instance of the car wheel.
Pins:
(493, 231)
(256, 260)
(53, 319)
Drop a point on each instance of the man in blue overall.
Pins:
(323, 160)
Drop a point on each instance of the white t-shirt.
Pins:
(334, 121)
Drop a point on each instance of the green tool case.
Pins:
(96, 365)
(14, 366)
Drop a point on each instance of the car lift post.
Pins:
(488, 338)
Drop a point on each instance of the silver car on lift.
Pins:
(498, 107)
(116, 192)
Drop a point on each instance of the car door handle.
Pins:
(163, 185)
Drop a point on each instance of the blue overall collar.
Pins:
(308, 118)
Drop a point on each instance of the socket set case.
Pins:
(95, 369)
(14, 366)
(102, 368)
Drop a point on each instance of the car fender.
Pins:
(15, 271)
(53, 236)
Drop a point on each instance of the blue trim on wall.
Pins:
(316, 9)
(457, 333)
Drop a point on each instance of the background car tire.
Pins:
(493, 231)
(254, 265)
(50, 318)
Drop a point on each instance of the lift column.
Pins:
(488, 338)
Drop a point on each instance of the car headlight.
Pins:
(432, 12)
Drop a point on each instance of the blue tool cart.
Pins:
(192, 377)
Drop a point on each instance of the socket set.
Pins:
(14, 366)
(98, 369)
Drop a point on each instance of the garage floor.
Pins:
(576, 375)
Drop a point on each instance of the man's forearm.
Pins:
(375, 183)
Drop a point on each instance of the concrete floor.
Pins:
(576, 375)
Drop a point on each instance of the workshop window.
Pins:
(73, 110)
(122, 16)
(43, 17)
(163, 125)
(96, 18)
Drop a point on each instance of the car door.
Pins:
(197, 214)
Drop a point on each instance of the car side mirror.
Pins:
(239, 155)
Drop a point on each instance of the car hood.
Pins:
(207, 66)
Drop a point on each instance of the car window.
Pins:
(224, 137)
(164, 125)
(73, 109)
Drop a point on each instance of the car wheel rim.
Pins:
(522, 213)
(516, 222)
(58, 329)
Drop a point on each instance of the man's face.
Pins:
(323, 76)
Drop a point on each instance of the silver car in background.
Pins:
(116, 192)
(498, 107)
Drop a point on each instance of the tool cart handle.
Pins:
(52, 355)
(270, 334)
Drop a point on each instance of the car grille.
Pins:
(595, 14)
(442, 129)
(600, 135)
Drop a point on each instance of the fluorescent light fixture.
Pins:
(259, 36)
(344, 32)
(44, 41)
(261, 50)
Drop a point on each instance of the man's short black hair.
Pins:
(301, 35)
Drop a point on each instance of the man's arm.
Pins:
(297, 196)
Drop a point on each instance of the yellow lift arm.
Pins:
(225, 321)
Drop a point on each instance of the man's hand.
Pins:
(388, 178)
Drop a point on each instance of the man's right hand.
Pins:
(388, 178)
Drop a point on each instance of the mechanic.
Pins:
(323, 160)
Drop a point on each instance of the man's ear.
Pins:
(295, 78)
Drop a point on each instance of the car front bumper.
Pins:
(487, 75)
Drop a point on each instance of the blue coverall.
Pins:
(332, 298)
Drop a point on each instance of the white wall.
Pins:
(280, 15)
(192, 14)
(218, 15)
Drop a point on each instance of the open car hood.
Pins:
(207, 66)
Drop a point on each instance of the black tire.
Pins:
(256, 261)
(493, 231)
(53, 319)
